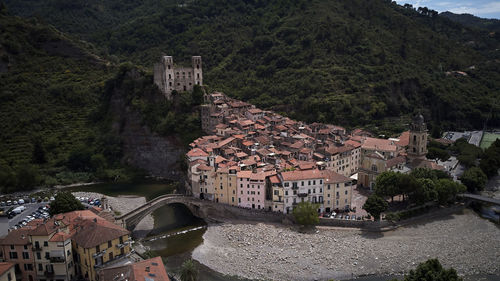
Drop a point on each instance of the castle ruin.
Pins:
(169, 77)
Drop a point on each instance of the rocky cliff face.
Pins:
(160, 156)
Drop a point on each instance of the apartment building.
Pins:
(251, 189)
(98, 243)
(300, 186)
(16, 248)
(337, 191)
(225, 186)
(51, 244)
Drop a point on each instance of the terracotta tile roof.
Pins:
(395, 161)
(274, 179)
(5, 266)
(147, 270)
(378, 144)
(254, 111)
(197, 152)
(93, 232)
(353, 143)
(204, 167)
(17, 237)
(60, 237)
(332, 177)
(302, 175)
(404, 139)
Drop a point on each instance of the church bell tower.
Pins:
(417, 147)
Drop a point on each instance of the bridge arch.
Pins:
(131, 219)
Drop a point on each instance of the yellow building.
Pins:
(225, 186)
(7, 272)
(98, 243)
(337, 191)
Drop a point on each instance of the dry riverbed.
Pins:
(124, 204)
(463, 241)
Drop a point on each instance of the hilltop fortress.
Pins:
(169, 77)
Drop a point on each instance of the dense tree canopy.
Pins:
(431, 270)
(65, 202)
(474, 178)
(306, 214)
(375, 205)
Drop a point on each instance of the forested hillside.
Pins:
(352, 62)
(472, 21)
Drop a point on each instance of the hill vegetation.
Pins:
(473, 21)
(351, 62)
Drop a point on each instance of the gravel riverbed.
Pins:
(463, 241)
(124, 204)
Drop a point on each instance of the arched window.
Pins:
(197, 66)
(169, 76)
(168, 66)
(198, 75)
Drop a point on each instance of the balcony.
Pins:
(302, 194)
(48, 273)
(119, 246)
(57, 260)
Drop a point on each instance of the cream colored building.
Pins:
(337, 191)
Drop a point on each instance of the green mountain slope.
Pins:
(50, 86)
(473, 21)
(353, 62)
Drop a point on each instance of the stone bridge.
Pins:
(207, 210)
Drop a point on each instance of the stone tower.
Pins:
(417, 147)
(197, 73)
(169, 77)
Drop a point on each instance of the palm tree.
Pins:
(189, 271)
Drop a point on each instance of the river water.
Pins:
(177, 232)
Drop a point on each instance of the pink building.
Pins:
(251, 189)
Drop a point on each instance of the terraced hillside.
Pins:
(50, 88)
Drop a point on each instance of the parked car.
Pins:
(353, 217)
(52, 198)
(21, 201)
(332, 215)
(327, 215)
(33, 200)
(14, 202)
(9, 202)
(2, 203)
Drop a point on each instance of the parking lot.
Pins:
(6, 223)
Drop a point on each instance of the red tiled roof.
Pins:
(395, 161)
(332, 177)
(5, 266)
(301, 175)
(197, 152)
(378, 144)
(151, 269)
(404, 139)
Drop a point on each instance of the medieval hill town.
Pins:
(249, 140)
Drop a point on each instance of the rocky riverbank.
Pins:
(122, 205)
(463, 241)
